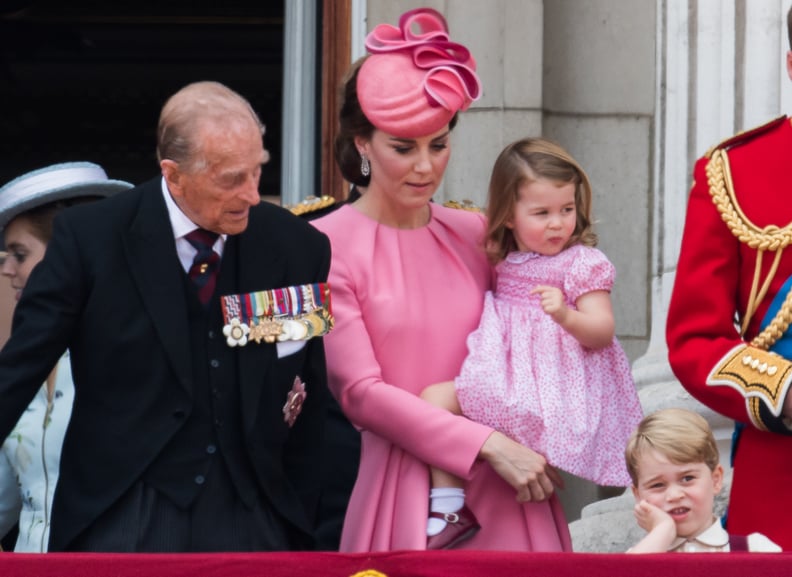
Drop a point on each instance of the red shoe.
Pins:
(460, 526)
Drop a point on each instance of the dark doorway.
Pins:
(85, 80)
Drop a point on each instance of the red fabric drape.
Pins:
(397, 564)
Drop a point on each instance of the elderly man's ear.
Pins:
(170, 171)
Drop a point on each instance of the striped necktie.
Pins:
(203, 272)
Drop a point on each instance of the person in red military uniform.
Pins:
(728, 331)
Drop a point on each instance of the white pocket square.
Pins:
(286, 348)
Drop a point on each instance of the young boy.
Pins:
(674, 464)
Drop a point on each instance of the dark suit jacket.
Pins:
(110, 288)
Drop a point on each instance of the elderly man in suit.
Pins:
(187, 434)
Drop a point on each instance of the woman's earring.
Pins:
(365, 167)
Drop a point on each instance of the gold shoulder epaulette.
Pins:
(745, 135)
(464, 205)
(311, 204)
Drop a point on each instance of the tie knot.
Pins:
(202, 239)
(206, 262)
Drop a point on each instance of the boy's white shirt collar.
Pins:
(714, 537)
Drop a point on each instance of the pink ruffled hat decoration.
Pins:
(415, 79)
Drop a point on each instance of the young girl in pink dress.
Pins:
(543, 366)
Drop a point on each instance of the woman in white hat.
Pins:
(30, 456)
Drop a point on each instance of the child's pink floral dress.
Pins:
(528, 378)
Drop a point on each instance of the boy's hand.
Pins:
(650, 517)
(660, 527)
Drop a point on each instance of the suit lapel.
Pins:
(151, 252)
(259, 267)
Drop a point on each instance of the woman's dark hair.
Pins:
(353, 123)
(40, 218)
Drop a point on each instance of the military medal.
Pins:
(293, 330)
(294, 313)
(236, 333)
(267, 330)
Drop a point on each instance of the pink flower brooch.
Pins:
(294, 401)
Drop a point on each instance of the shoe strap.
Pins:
(447, 517)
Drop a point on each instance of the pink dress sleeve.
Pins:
(590, 271)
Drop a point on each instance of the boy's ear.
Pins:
(789, 64)
(635, 493)
(717, 478)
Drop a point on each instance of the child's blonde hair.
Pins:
(525, 161)
(680, 435)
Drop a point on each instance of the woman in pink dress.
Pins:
(544, 366)
(408, 279)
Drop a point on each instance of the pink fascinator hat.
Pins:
(415, 79)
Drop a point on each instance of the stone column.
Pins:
(720, 69)
(298, 168)
(694, 109)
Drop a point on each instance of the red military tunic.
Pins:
(740, 213)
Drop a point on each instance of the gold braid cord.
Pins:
(759, 375)
(777, 327)
(771, 238)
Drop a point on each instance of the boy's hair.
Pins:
(680, 435)
(526, 161)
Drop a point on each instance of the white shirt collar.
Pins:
(714, 537)
(181, 226)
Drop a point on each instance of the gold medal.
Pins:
(318, 324)
(267, 330)
(327, 318)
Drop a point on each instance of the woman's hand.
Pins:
(522, 468)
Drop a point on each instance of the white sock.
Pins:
(443, 500)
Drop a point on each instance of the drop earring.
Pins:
(365, 167)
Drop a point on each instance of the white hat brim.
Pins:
(53, 183)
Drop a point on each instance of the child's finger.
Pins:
(538, 289)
